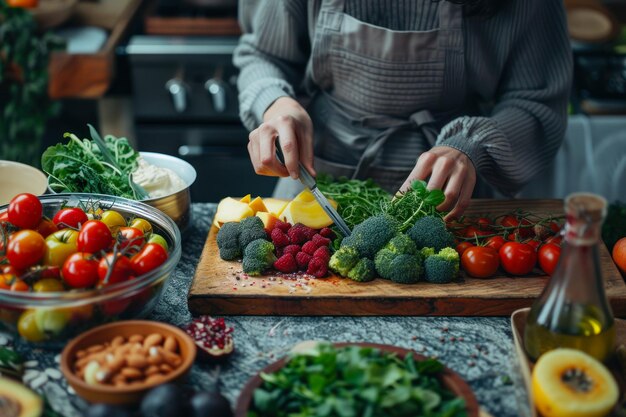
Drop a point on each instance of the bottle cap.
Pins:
(585, 213)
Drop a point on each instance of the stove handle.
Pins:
(216, 90)
(178, 93)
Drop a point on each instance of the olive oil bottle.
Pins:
(573, 310)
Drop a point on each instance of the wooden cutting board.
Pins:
(219, 287)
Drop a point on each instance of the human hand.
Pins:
(450, 170)
(287, 120)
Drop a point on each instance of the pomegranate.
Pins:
(211, 336)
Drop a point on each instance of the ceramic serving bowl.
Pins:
(129, 394)
(176, 205)
(71, 312)
(18, 178)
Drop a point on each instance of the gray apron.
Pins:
(351, 133)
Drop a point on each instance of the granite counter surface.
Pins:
(480, 349)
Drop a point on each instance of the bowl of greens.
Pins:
(360, 379)
(111, 166)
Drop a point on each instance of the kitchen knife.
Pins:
(309, 182)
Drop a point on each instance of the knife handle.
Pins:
(304, 177)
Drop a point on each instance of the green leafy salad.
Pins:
(100, 166)
(355, 381)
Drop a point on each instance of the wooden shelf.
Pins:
(90, 75)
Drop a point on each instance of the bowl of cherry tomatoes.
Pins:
(69, 262)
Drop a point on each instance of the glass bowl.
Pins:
(65, 314)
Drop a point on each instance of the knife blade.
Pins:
(308, 181)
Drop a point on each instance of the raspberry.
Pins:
(279, 238)
(282, 226)
(309, 232)
(317, 267)
(309, 247)
(320, 240)
(286, 264)
(279, 252)
(303, 259)
(327, 232)
(292, 249)
(322, 253)
(297, 234)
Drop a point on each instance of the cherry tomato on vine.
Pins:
(535, 243)
(113, 220)
(48, 285)
(29, 4)
(548, 255)
(462, 247)
(25, 211)
(557, 240)
(25, 248)
(6, 280)
(514, 222)
(150, 257)
(480, 261)
(59, 246)
(495, 242)
(130, 236)
(483, 223)
(142, 224)
(473, 232)
(46, 227)
(93, 237)
(72, 217)
(80, 270)
(19, 285)
(517, 258)
(121, 269)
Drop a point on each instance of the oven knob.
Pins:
(178, 93)
(216, 90)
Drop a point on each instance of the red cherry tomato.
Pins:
(517, 258)
(480, 261)
(462, 247)
(549, 254)
(70, 217)
(51, 272)
(554, 227)
(46, 227)
(534, 243)
(130, 236)
(514, 222)
(472, 232)
(93, 237)
(19, 285)
(150, 257)
(483, 223)
(25, 248)
(121, 270)
(25, 211)
(495, 242)
(557, 240)
(80, 270)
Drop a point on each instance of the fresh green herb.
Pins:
(356, 200)
(11, 363)
(353, 382)
(614, 227)
(80, 166)
(413, 204)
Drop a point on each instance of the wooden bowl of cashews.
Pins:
(118, 363)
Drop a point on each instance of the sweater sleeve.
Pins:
(528, 122)
(271, 55)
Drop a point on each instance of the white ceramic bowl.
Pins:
(18, 178)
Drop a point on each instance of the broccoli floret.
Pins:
(371, 235)
(252, 228)
(228, 241)
(363, 271)
(406, 269)
(258, 256)
(443, 267)
(431, 231)
(426, 252)
(344, 260)
(402, 244)
(382, 261)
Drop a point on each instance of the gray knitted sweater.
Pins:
(517, 64)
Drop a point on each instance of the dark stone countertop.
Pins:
(480, 349)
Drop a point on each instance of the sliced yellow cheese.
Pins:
(257, 205)
(275, 205)
(231, 210)
(309, 213)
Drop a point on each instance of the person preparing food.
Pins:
(471, 95)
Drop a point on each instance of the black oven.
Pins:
(185, 104)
